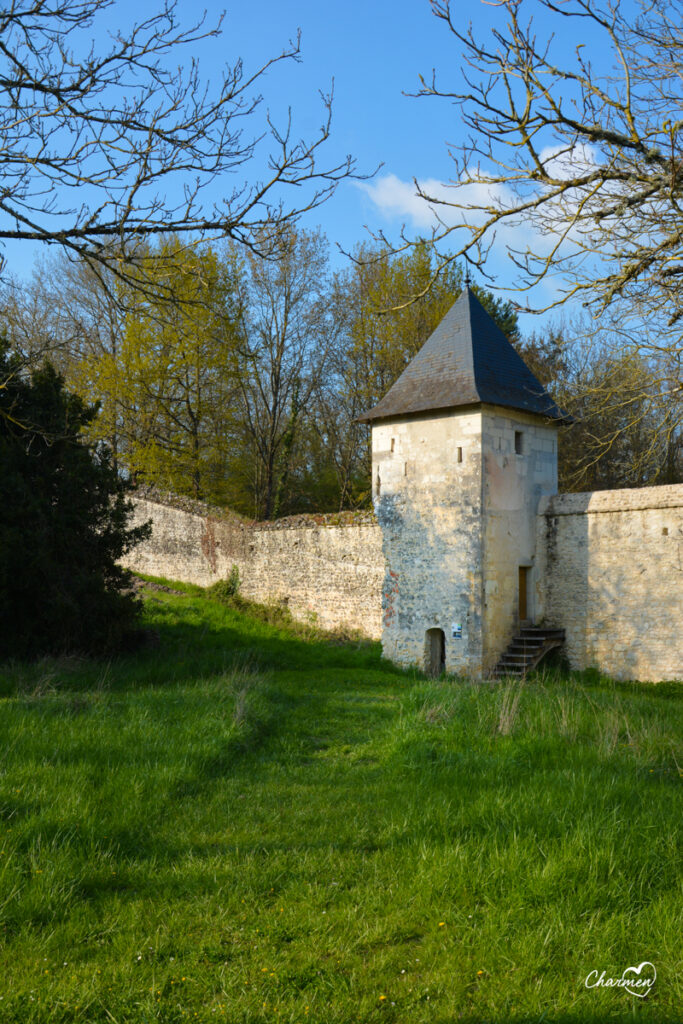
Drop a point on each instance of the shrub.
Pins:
(224, 590)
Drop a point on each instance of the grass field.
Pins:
(252, 824)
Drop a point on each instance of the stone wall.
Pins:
(608, 565)
(456, 494)
(328, 569)
(612, 562)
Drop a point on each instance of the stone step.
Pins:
(527, 649)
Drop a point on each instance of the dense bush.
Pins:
(63, 523)
(224, 590)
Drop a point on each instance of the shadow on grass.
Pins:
(270, 646)
(194, 641)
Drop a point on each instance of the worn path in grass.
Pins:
(250, 824)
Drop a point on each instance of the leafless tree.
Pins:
(592, 159)
(575, 167)
(623, 434)
(69, 314)
(287, 330)
(101, 149)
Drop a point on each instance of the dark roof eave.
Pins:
(371, 416)
(561, 417)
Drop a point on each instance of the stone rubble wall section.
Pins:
(327, 569)
(612, 566)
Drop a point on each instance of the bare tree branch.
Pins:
(101, 150)
(590, 161)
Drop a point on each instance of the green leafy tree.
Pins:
(245, 388)
(166, 377)
(63, 523)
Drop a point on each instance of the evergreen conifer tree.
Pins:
(64, 523)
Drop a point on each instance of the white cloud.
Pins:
(564, 163)
(400, 200)
(397, 199)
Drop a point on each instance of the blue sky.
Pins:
(374, 51)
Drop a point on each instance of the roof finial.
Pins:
(468, 280)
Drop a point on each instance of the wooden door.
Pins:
(523, 593)
(435, 652)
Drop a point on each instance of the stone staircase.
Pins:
(530, 646)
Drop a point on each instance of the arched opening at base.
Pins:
(435, 652)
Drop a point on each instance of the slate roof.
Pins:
(466, 361)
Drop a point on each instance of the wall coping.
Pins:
(632, 499)
(308, 520)
(584, 503)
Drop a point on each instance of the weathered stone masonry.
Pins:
(610, 571)
(429, 507)
(608, 568)
(464, 446)
(328, 569)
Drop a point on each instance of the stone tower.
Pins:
(464, 446)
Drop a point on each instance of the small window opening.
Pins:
(435, 652)
(405, 469)
(378, 485)
(459, 454)
(519, 442)
(665, 531)
(392, 444)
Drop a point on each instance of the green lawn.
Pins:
(251, 824)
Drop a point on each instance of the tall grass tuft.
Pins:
(510, 696)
